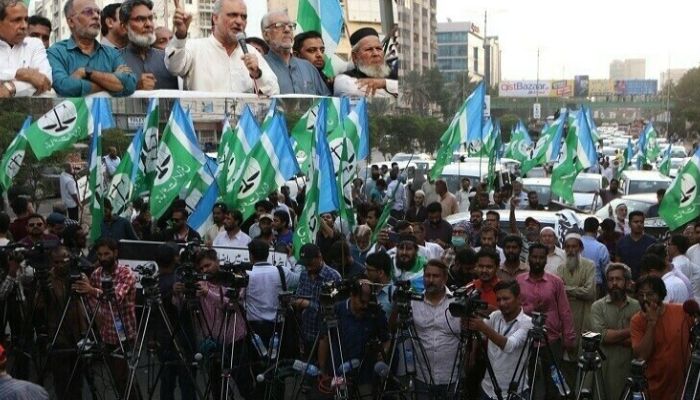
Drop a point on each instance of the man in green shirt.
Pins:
(610, 316)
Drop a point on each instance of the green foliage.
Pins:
(392, 134)
(508, 121)
(685, 115)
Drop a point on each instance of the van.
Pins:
(477, 172)
(633, 182)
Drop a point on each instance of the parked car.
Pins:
(633, 182)
(635, 202)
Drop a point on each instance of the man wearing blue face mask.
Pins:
(459, 241)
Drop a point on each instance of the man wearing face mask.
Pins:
(660, 337)
(578, 274)
(610, 316)
(124, 302)
(459, 242)
(408, 264)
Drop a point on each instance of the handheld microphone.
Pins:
(692, 308)
(382, 370)
(240, 37)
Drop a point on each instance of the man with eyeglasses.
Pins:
(294, 75)
(370, 77)
(40, 28)
(24, 68)
(80, 64)
(217, 63)
(36, 227)
(179, 231)
(147, 63)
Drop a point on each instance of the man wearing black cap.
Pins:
(310, 281)
(370, 77)
(408, 264)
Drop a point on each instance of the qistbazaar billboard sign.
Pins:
(524, 88)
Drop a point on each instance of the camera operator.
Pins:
(438, 331)
(171, 371)
(212, 299)
(358, 325)
(310, 281)
(73, 327)
(660, 335)
(408, 264)
(506, 330)
(610, 316)
(124, 287)
(261, 295)
(378, 267)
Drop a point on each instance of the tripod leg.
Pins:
(136, 356)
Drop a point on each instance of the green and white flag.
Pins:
(96, 185)
(68, 122)
(308, 225)
(494, 154)
(520, 144)
(268, 166)
(121, 188)
(148, 155)
(12, 158)
(566, 169)
(303, 131)
(652, 149)
(178, 161)
(234, 147)
(543, 148)
(665, 164)
(680, 204)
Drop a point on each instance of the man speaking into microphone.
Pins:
(219, 63)
(660, 335)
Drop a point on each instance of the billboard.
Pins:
(562, 88)
(524, 88)
(636, 87)
(581, 86)
(601, 87)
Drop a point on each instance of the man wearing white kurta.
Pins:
(217, 63)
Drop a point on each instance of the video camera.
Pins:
(467, 303)
(332, 291)
(538, 319)
(590, 342)
(638, 369)
(149, 280)
(78, 266)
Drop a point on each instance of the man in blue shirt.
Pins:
(80, 64)
(294, 75)
(146, 62)
(310, 281)
(596, 252)
(631, 247)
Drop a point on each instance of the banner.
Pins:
(581, 86)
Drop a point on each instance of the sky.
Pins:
(583, 37)
(256, 10)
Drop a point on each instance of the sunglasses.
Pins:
(37, 225)
(90, 11)
(282, 25)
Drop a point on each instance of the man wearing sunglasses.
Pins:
(24, 68)
(147, 63)
(217, 63)
(36, 227)
(80, 64)
(294, 75)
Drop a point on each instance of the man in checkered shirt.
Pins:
(124, 301)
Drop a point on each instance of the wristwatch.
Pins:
(88, 73)
(10, 87)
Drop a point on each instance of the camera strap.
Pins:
(283, 280)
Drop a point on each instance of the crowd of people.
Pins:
(119, 49)
(606, 278)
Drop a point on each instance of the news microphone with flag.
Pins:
(384, 372)
(692, 308)
(349, 365)
(240, 37)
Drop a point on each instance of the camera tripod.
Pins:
(154, 300)
(406, 332)
(636, 384)
(692, 378)
(466, 341)
(530, 354)
(590, 363)
(339, 383)
(85, 345)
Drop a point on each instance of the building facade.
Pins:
(672, 74)
(460, 51)
(631, 68)
(417, 35)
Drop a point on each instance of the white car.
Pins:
(633, 182)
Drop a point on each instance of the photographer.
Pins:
(73, 327)
(312, 278)
(506, 330)
(171, 371)
(378, 267)
(438, 330)
(358, 326)
(212, 298)
(123, 286)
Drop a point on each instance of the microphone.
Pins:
(692, 308)
(349, 365)
(382, 370)
(240, 37)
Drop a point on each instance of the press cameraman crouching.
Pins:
(119, 284)
(506, 329)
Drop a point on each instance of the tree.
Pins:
(508, 121)
(685, 114)
(455, 94)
